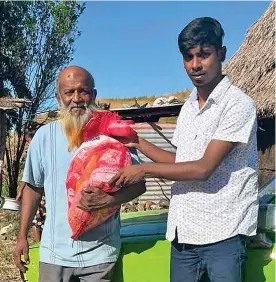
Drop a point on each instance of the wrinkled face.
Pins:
(76, 96)
(203, 64)
(76, 91)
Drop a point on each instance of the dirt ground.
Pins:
(8, 271)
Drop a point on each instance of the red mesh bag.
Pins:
(93, 165)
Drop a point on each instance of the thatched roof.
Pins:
(8, 104)
(252, 68)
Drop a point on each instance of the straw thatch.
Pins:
(252, 68)
(8, 104)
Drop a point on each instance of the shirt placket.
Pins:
(196, 128)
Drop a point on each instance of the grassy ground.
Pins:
(8, 270)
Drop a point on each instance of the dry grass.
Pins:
(171, 120)
(8, 270)
(120, 103)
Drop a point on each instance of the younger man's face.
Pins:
(203, 64)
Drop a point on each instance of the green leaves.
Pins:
(37, 41)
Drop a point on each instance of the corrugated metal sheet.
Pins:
(154, 192)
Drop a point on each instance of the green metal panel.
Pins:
(32, 273)
(260, 265)
(143, 262)
(145, 253)
(149, 262)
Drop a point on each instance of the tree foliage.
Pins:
(37, 41)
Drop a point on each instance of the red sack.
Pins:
(93, 165)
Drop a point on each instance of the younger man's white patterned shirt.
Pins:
(227, 203)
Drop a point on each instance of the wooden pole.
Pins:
(3, 133)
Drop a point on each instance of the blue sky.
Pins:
(131, 47)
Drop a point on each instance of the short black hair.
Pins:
(201, 32)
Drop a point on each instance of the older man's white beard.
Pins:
(73, 124)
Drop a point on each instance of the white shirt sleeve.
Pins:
(238, 122)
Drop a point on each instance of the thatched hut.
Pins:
(6, 104)
(252, 69)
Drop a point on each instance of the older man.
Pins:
(92, 257)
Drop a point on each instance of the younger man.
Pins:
(214, 198)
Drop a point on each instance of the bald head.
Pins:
(73, 73)
(75, 89)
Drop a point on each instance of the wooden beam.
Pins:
(150, 114)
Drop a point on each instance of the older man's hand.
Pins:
(94, 199)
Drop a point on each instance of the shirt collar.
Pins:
(217, 94)
(220, 90)
(193, 100)
(193, 96)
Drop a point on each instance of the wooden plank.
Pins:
(3, 132)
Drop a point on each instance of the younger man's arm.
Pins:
(94, 198)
